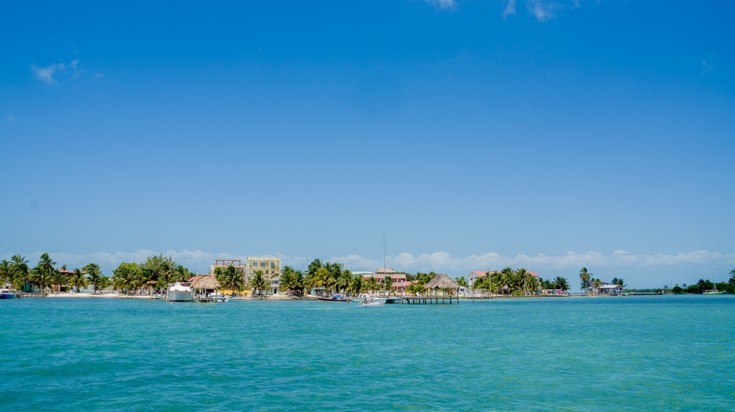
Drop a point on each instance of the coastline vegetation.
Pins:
(158, 271)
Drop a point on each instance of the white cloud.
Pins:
(46, 74)
(510, 9)
(443, 4)
(51, 74)
(663, 267)
(542, 10)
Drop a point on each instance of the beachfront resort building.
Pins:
(398, 278)
(270, 267)
(605, 288)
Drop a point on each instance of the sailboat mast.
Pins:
(384, 252)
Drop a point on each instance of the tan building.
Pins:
(269, 266)
(224, 263)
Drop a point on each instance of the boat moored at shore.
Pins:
(180, 292)
(6, 293)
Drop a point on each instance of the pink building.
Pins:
(399, 279)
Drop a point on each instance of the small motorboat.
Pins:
(373, 301)
(6, 293)
(334, 298)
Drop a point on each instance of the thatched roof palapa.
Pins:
(204, 282)
(441, 282)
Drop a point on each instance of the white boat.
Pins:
(217, 297)
(6, 293)
(373, 301)
(179, 292)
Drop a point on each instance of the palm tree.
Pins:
(78, 279)
(334, 271)
(524, 278)
(372, 284)
(44, 273)
(596, 283)
(584, 278)
(231, 278)
(95, 276)
(315, 265)
(159, 270)
(561, 283)
(355, 285)
(126, 277)
(506, 279)
(5, 271)
(344, 280)
(292, 281)
(19, 271)
(388, 281)
(258, 283)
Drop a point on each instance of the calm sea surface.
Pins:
(625, 353)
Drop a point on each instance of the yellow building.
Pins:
(270, 267)
(224, 263)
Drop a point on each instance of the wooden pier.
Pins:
(429, 300)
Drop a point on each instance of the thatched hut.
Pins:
(443, 283)
(203, 285)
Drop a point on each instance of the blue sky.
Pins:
(474, 134)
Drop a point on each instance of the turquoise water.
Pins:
(627, 353)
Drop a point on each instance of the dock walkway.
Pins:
(429, 300)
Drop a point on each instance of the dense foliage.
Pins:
(46, 277)
(519, 282)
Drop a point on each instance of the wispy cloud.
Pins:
(510, 9)
(443, 4)
(619, 262)
(46, 74)
(543, 11)
(58, 71)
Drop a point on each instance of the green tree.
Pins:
(344, 279)
(561, 283)
(94, 275)
(462, 282)
(78, 279)
(44, 273)
(596, 283)
(259, 283)
(507, 280)
(158, 270)
(732, 277)
(388, 283)
(19, 272)
(371, 284)
(231, 278)
(482, 283)
(584, 278)
(5, 272)
(356, 284)
(127, 276)
(292, 281)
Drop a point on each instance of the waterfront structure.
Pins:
(224, 263)
(204, 286)
(607, 289)
(270, 267)
(443, 284)
(398, 278)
